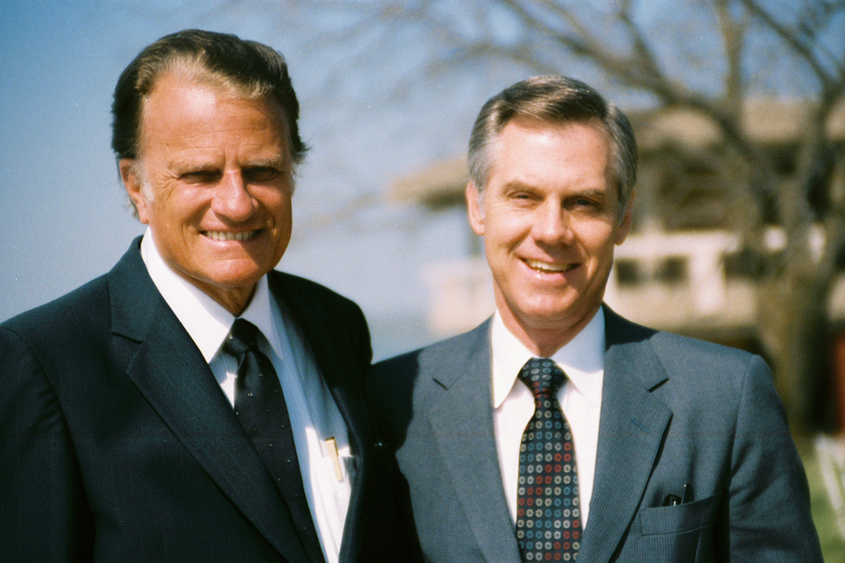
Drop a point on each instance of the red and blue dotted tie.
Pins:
(548, 521)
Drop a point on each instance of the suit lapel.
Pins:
(633, 423)
(316, 325)
(171, 373)
(462, 421)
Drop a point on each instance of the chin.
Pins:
(234, 281)
(557, 314)
(239, 271)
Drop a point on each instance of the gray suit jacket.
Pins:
(675, 411)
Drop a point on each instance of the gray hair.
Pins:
(560, 100)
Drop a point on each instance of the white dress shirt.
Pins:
(314, 416)
(582, 360)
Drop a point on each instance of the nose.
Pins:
(232, 199)
(552, 225)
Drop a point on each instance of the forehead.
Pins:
(526, 125)
(188, 104)
(528, 146)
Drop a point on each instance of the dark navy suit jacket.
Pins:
(117, 443)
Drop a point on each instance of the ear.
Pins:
(134, 185)
(474, 210)
(627, 218)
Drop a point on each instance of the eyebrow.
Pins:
(591, 192)
(282, 163)
(518, 185)
(578, 192)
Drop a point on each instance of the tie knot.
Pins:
(242, 337)
(542, 376)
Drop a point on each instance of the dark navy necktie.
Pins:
(260, 406)
(548, 522)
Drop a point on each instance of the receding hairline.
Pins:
(191, 71)
(553, 99)
(493, 146)
(193, 68)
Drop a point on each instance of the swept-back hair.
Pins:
(249, 69)
(556, 100)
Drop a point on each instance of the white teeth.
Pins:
(547, 267)
(225, 235)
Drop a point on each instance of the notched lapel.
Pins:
(317, 331)
(169, 370)
(462, 420)
(315, 324)
(631, 431)
(172, 374)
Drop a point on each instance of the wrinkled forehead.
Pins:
(193, 71)
(199, 80)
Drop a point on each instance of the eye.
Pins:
(261, 174)
(201, 177)
(585, 204)
(522, 197)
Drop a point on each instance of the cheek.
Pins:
(282, 212)
(597, 236)
(508, 227)
(279, 208)
(165, 215)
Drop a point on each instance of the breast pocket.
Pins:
(681, 533)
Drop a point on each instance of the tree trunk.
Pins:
(796, 334)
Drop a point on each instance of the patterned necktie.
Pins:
(260, 406)
(548, 522)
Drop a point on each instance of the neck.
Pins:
(234, 300)
(544, 340)
(235, 304)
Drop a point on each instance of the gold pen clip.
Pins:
(331, 446)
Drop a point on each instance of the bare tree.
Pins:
(709, 56)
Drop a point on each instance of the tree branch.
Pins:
(642, 51)
(791, 38)
(732, 33)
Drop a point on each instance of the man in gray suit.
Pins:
(557, 430)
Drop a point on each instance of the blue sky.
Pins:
(62, 209)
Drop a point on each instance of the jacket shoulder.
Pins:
(333, 325)
(318, 297)
(454, 351)
(63, 337)
(690, 373)
(669, 345)
(68, 313)
(676, 353)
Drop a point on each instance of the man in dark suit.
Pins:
(557, 430)
(193, 404)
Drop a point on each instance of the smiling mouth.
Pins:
(226, 235)
(547, 268)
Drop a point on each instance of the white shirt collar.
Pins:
(207, 322)
(582, 359)
(260, 313)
